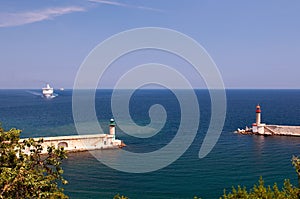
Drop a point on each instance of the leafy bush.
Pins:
(32, 174)
(264, 192)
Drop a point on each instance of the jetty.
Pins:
(259, 128)
(76, 143)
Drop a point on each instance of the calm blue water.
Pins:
(236, 159)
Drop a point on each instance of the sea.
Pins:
(235, 159)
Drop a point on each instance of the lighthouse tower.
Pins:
(112, 128)
(258, 127)
(258, 115)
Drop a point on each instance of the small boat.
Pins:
(48, 91)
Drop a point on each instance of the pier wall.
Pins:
(259, 128)
(76, 143)
(282, 130)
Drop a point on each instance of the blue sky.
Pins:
(255, 44)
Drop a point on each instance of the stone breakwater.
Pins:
(76, 143)
(274, 130)
(282, 130)
(259, 128)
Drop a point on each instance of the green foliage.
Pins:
(196, 197)
(29, 174)
(296, 164)
(120, 197)
(261, 191)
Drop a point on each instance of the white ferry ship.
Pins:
(48, 91)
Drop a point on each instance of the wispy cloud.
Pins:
(21, 18)
(114, 3)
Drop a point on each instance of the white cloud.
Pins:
(21, 18)
(17, 19)
(114, 3)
